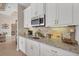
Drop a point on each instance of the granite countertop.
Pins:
(56, 43)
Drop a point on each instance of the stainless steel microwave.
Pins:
(38, 22)
(35, 22)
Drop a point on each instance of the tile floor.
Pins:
(8, 48)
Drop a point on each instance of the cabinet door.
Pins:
(40, 9)
(27, 17)
(34, 10)
(29, 47)
(76, 13)
(32, 48)
(35, 50)
(43, 50)
(64, 13)
(46, 50)
(22, 44)
(50, 14)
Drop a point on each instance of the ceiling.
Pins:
(10, 11)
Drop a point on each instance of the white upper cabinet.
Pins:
(37, 9)
(76, 13)
(50, 14)
(58, 14)
(40, 9)
(27, 17)
(64, 13)
(33, 10)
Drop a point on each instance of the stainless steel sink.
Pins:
(35, 37)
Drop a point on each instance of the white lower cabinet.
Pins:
(35, 48)
(32, 48)
(28, 47)
(46, 50)
(22, 42)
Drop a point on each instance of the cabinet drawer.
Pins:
(47, 50)
(52, 52)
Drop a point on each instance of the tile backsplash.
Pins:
(67, 32)
(43, 30)
(53, 31)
